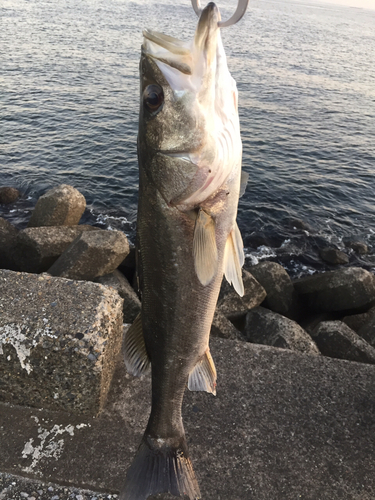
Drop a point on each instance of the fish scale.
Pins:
(187, 238)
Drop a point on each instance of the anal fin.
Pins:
(234, 259)
(136, 358)
(204, 248)
(203, 377)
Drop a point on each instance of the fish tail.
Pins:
(160, 468)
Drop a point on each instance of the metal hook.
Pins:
(239, 13)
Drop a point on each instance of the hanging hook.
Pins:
(240, 11)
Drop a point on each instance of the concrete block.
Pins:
(60, 206)
(58, 341)
(92, 254)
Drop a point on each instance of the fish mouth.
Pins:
(184, 64)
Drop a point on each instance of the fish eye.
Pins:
(153, 97)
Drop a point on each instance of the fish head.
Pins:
(189, 138)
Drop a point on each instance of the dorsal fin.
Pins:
(234, 259)
(204, 248)
(203, 377)
(136, 358)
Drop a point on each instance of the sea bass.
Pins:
(189, 150)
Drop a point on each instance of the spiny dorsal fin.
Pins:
(233, 260)
(243, 182)
(203, 377)
(204, 248)
(136, 358)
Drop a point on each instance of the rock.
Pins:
(346, 289)
(128, 265)
(277, 284)
(300, 224)
(37, 248)
(60, 206)
(333, 256)
(273, 329)
(358, 246)
(8, 195)
(132, 304)
(367, 331)
(8, 236)
(59, 342)
(311, 321)
(92, 254)
(357, 321)
(232, 305)
(337, 340)
(221, 327)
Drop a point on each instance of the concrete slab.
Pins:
(58, 339)
(283, 426)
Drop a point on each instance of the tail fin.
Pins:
(160, 468)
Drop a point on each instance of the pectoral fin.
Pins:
(204, 248)
(234, 259)
(203, 377)
(136, 358)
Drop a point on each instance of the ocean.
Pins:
(69, 98)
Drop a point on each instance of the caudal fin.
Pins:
(159, 468)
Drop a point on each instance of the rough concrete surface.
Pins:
(58, 338)
(60, 206)
(92, 254)
(283, 426)
(37, 248)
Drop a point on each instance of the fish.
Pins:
(189, 155)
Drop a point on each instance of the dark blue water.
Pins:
(306, 78)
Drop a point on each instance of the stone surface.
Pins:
(367, 331)
(37, 248)
(232, 305)
(117, 281)
(283, 426)
(337, 340)
(58, 341)
(345, 289)
(273, 329)
(8, 195)
(221, 327)
(277, 284)
(92, 254)
(60, 206)
(8, 236)
(357, 321)
(333, 256)
(358, 246)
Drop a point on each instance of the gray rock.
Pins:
(92, 254)
(117, 281)
(8, 236)
(232, 305)
(345, 289)
(358, 246)
(8, 195)
(273, 329)
(221, 327)
(37, 248)
(337, 340)
(367, 331)
(60, 206)
(59, 340)
(357, 321)
(277, 284)
(333, 256)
